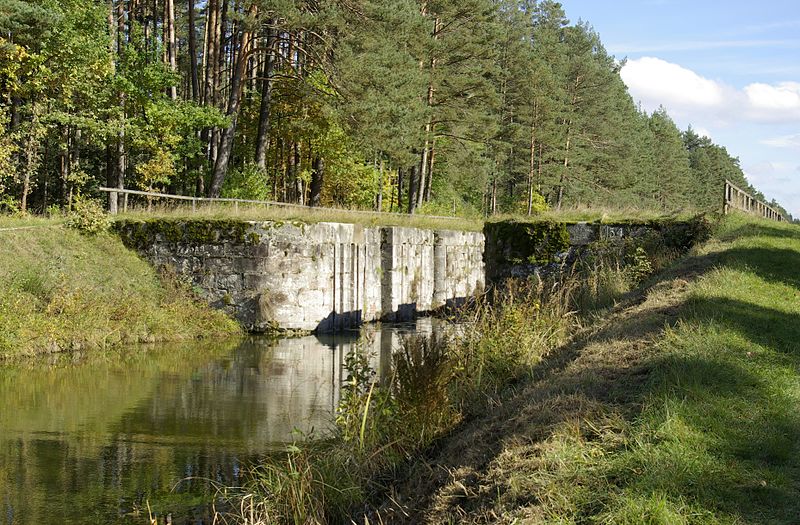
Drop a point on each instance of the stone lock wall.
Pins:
(326, 277)
(318, 277)
(518, 249)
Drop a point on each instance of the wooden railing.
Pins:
(738, 199)
(151, 196)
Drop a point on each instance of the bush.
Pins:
(88, 216)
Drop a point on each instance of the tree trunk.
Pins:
(234, 102)
(563, 178)
(63, 171)
(493, 195)
(296, 168)
(431, 159)
(380, 188)
(531, 168)
(193, 54)
(222, 29)
(208, 46)
(317, 179)
(412, 190)
(399, 190)
(121, 156)
(171, 43)
(262, 139)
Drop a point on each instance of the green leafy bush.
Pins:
(88, 216)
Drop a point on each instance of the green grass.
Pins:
(302, 214)
(62, 290)
(681, 407)
(367, 218)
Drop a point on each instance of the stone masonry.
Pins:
(319, 277)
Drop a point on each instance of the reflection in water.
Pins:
(95, 439)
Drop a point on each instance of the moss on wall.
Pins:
(525, 243)
(141, 234)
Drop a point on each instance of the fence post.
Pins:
(112, 203)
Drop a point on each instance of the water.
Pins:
(97, 438)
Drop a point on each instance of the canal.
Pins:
(108, 437)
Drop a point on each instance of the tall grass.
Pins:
(436, 383)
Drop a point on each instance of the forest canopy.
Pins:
(440, 106)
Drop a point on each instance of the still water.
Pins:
(97, 438)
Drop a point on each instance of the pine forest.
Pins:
(467, 107)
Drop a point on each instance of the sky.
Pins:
(730, 69)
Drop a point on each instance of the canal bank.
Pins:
(61, 290)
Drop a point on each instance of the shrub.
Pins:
(87, 216)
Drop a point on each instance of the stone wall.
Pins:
(517, 249)
(319, 277)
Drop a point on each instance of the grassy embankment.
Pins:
(63, 290)
(681, 406)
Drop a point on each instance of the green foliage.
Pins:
(520, 242)
(481, 104)
(639, 266)
(87, 216)
(250, 182)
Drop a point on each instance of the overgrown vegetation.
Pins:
(65, 290)
(679, 407)
(436, 383)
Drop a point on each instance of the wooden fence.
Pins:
(738, 199)
(118, 199)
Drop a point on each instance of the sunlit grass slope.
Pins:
(683, 407)
(62, 290)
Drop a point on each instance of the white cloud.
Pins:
(658, 82)
(778, 102)
(785, 141)
(703, 132)
(685, 93)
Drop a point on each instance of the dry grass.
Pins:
(605, 215)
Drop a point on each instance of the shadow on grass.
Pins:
(779, 265)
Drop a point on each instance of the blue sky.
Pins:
(729, 69)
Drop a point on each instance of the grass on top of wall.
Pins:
(301, 214)
(254, 212)
(62, 290)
